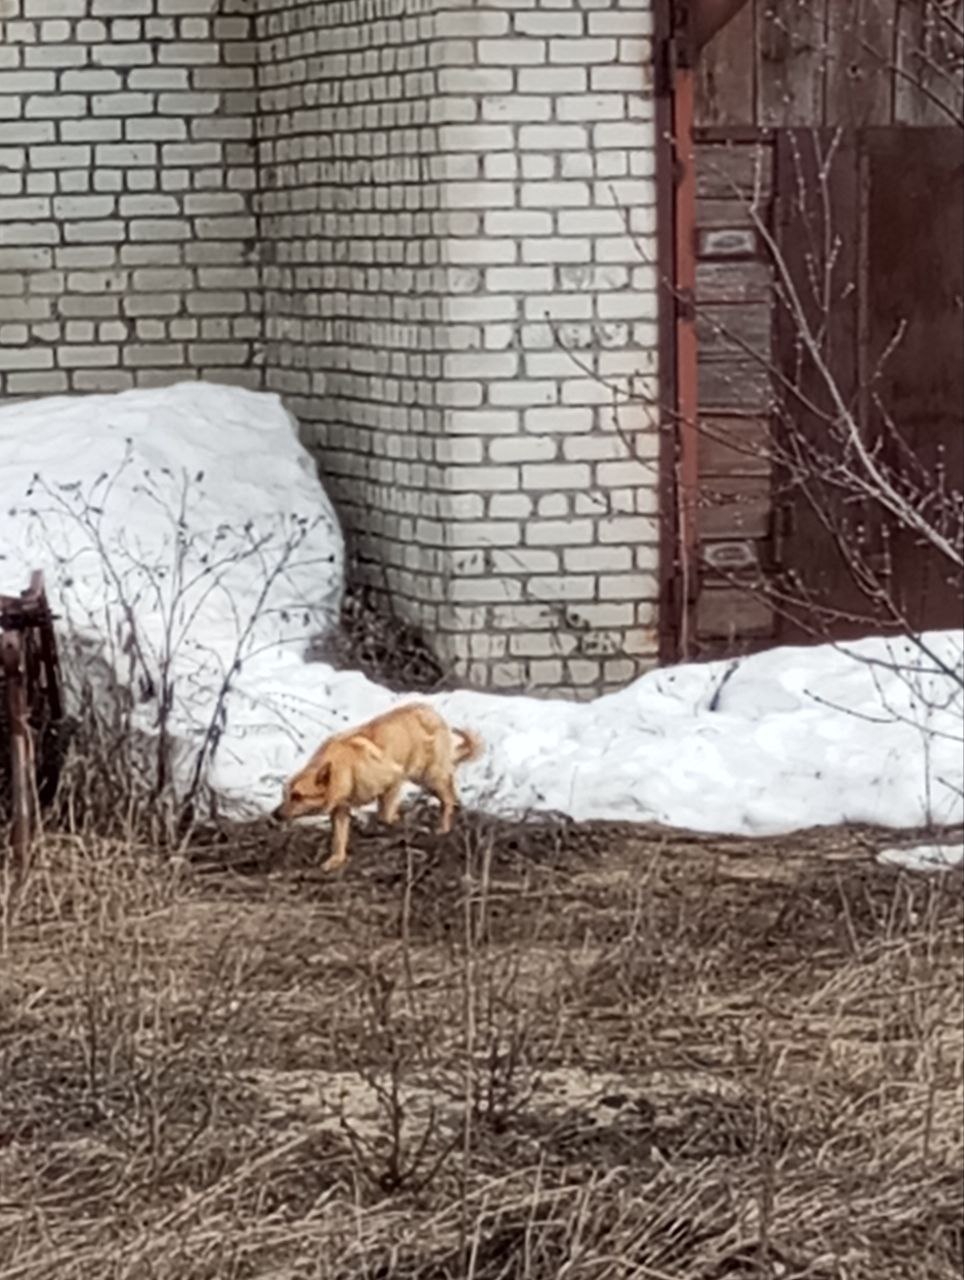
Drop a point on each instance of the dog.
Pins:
(411, 743)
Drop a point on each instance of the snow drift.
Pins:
(182, 533)
(186, 538)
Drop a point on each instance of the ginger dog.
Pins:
(412, 743)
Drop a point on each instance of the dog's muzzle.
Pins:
(278, 815)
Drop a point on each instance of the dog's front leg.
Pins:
(388, 804)
(340, 824)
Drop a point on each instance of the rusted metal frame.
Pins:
(676, 209)
(676, 204)
(48, 664)
(30, 613)
(687, 353)
(681, 28)
(32, 691)
(21, 774)
(666, 264)
(678, 351)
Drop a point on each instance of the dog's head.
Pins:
(306, 793)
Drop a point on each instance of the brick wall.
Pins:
(553, 309)
(352, 234)
(429, 224)
(459, 224)
(128, 250)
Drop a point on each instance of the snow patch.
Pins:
(184, 533)
(924, 857)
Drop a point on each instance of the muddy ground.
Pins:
(538, 1050)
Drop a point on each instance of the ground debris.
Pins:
(524, 1050)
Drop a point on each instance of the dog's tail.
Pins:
(468, 745)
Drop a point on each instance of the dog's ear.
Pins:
(323, 774)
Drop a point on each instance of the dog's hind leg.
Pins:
(388, 804)
(340, 824)
(442, 785)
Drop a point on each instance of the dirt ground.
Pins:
(537, 1051)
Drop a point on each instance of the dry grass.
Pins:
(371, 639)
(537, 1051)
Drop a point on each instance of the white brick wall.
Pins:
(127, 239)
(351, 215)
(454, 302)
(430, 224)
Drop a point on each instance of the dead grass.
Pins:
(531, 1051)
(371, 639)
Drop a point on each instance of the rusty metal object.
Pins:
(675, 82)
(666, 260)
(32, 706)
(687, 356)
(666, 256)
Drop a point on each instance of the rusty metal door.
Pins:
(869, 328)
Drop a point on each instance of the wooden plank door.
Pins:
(914, 352)
(734, 327)
(816, 326)
(869, 329)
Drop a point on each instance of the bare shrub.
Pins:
(632, 1054)
(148, 691)
(372, 639)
